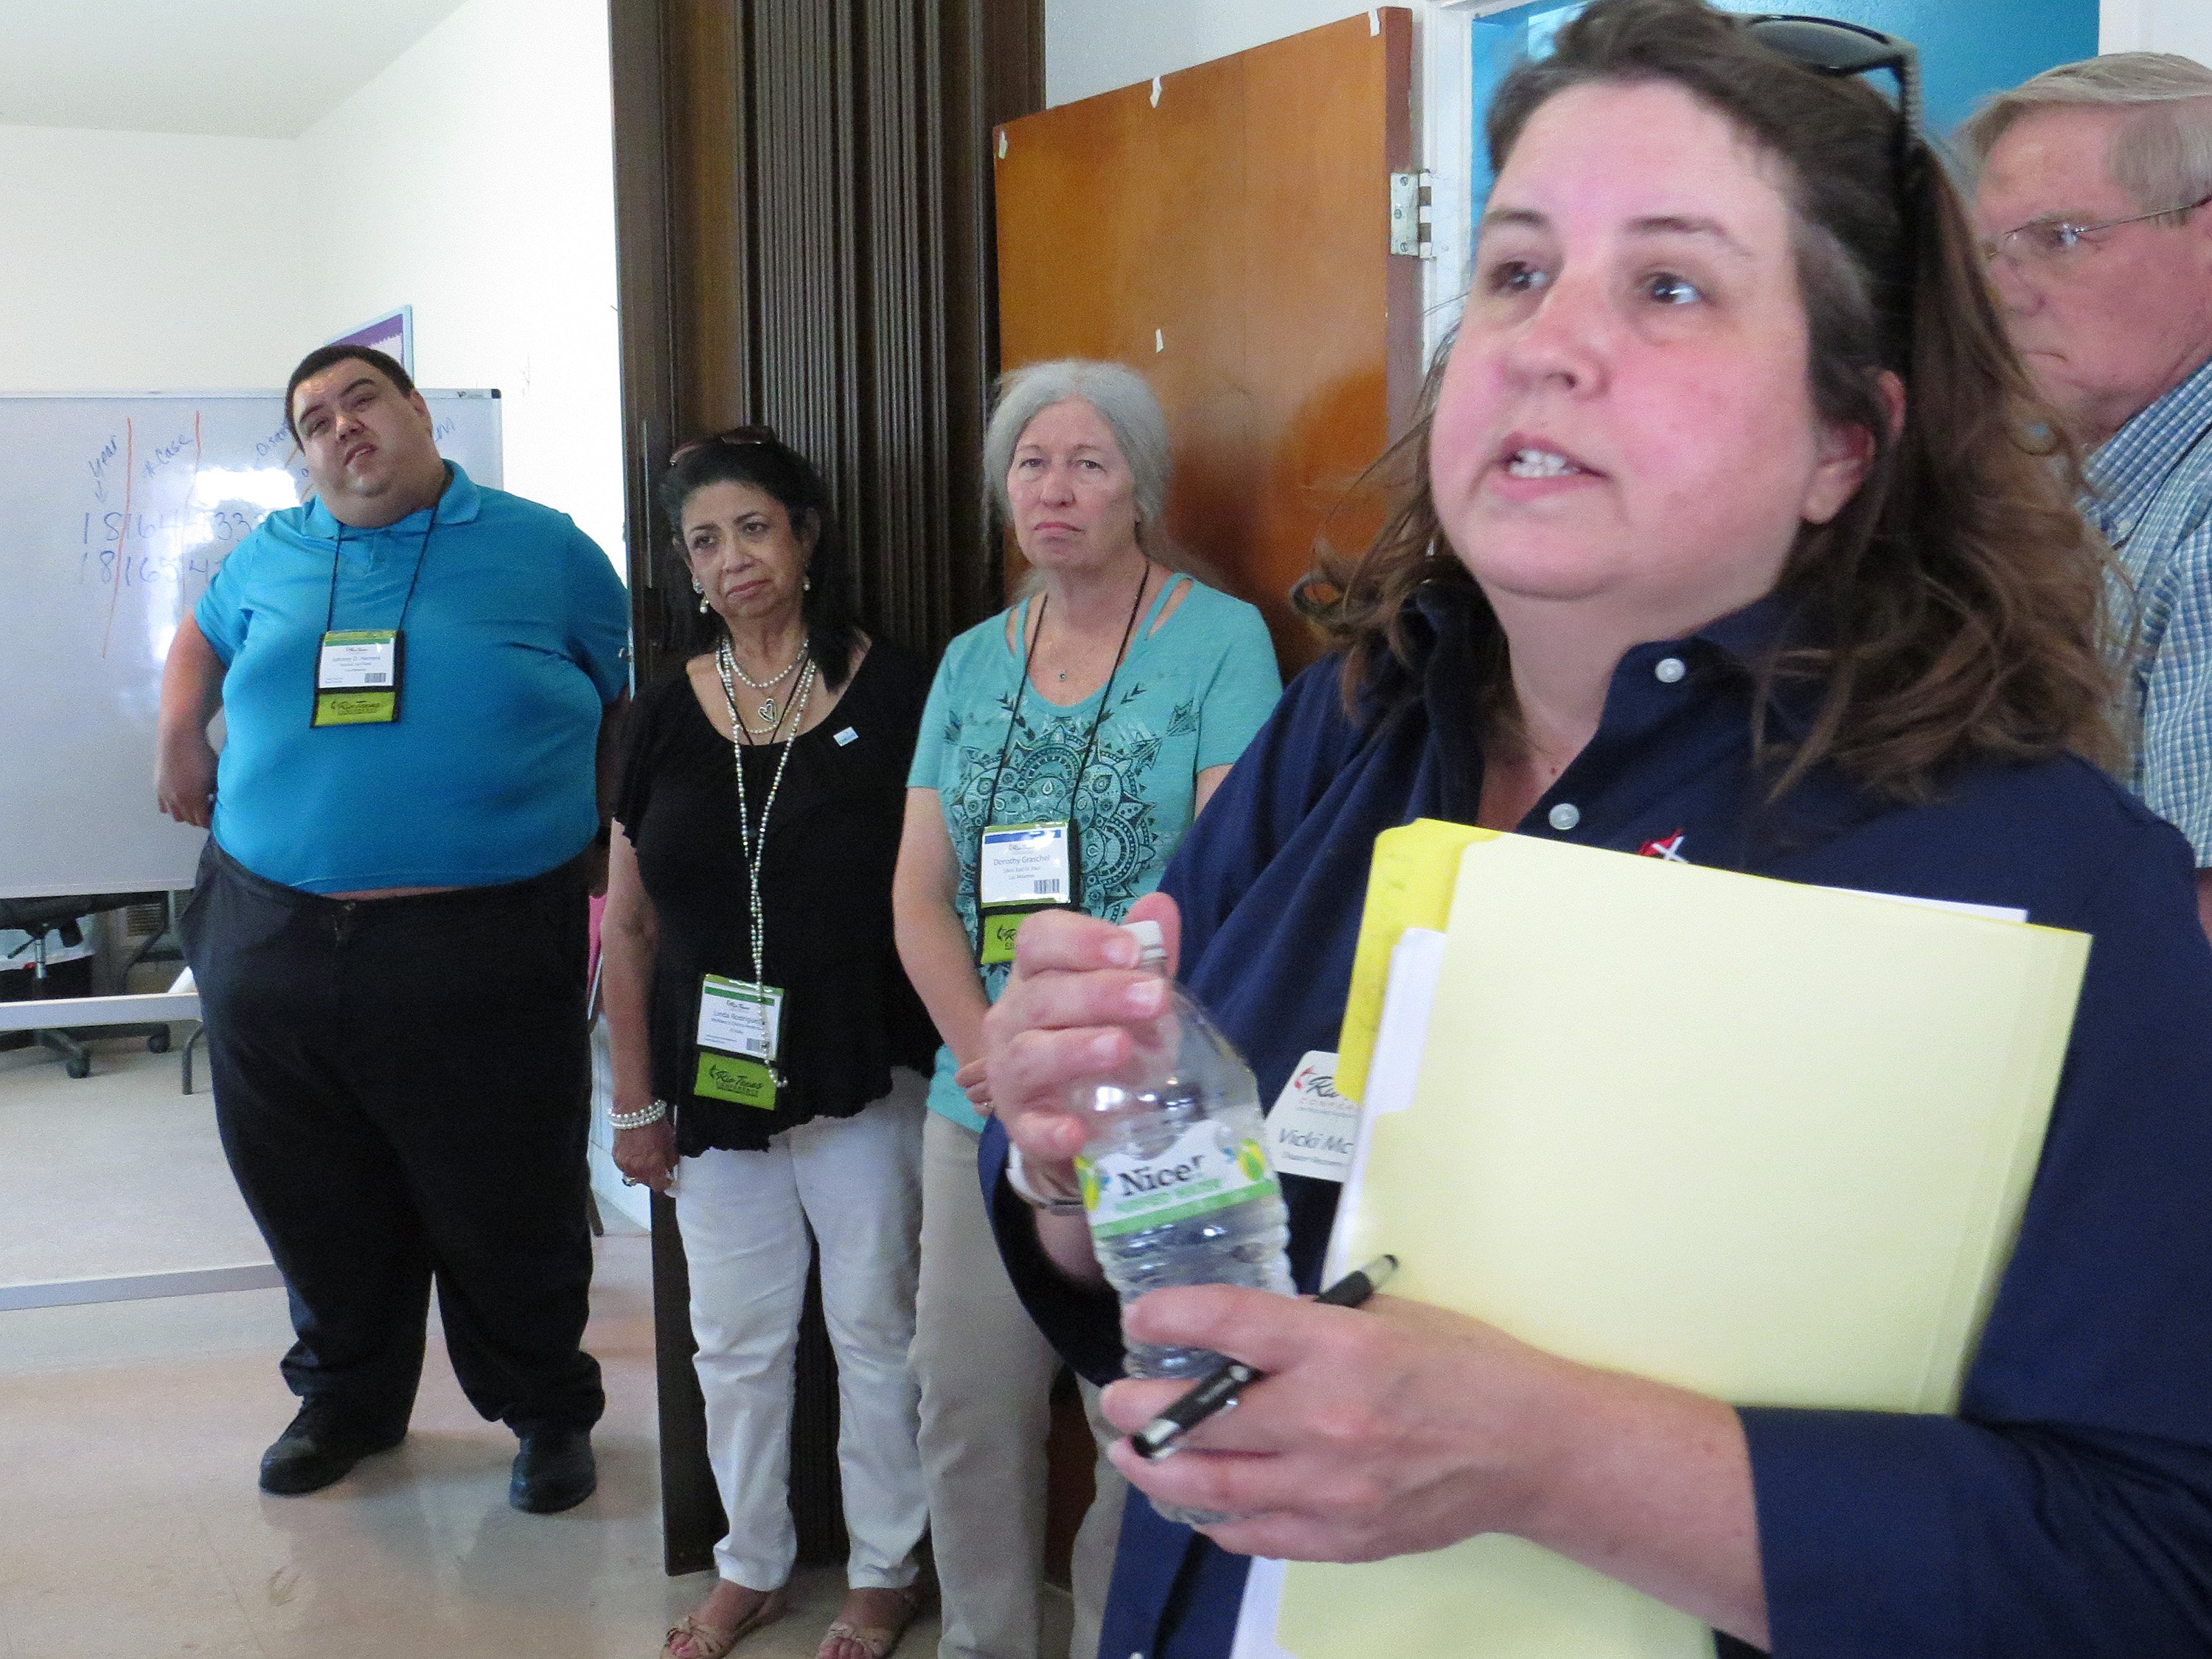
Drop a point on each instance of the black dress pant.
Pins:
(403, 1087)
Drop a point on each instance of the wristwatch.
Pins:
(1053, 1200)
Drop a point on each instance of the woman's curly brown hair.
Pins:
(1952, 609)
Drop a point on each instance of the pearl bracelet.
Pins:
(640, 1118)
(1062, 1201)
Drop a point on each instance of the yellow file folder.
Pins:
(1767, 1141)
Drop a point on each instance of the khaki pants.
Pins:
(986, 1373)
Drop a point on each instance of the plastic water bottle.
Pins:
(1175, 1180)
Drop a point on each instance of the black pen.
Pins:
(1219, 1388)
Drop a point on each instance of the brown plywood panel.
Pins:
(1231, 241)
(705, 93)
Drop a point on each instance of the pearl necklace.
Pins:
(753, 840)
(769, 712)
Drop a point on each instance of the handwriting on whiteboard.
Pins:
(157, 517)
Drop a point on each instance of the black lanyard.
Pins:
(421, 552)
(1090, 744)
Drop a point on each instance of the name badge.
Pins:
(357, 677)
(740, 1027)
(1024, 864)
(1024, 867)
(1313, 1129)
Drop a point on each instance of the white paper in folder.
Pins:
(1414, 961)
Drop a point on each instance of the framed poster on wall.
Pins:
(393, 334)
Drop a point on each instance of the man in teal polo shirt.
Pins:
(417, 675)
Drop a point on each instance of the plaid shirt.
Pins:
(2152, 484)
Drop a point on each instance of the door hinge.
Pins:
(1409, 214)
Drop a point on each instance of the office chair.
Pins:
(39, 916)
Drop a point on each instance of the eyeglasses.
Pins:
(2047, 241)
(1827, 47)
(736, 437)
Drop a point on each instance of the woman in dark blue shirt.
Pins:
(1734, 533)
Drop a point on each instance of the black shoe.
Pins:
(314, 1451)
(554, 1471)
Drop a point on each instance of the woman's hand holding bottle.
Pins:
(1069, 1013)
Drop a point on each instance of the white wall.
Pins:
(2182, 26)
(1095, 46)
(133, 261)
(474, 180)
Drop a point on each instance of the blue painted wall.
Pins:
(1968, 48)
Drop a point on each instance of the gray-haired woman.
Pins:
(1066, 745)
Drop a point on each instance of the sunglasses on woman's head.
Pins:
(735, 438)
(1827, 47)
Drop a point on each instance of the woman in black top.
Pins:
(766, 1043)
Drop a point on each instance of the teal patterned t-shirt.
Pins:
(1188, 697)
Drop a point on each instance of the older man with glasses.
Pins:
(2095, 178)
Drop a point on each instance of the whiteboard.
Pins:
(114, 512)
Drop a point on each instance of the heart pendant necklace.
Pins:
(769, 710)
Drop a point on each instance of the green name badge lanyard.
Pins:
(740, 1020)
(740, 1029)
(358, 671)
(1024, 868)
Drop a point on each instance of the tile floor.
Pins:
(126, 1143)
(130, 1523)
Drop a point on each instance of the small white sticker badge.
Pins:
(1313, 1129)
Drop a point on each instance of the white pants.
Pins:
(986, 1373)
(857, 1181)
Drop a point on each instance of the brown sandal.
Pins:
(877, 1641)
(708, 1641)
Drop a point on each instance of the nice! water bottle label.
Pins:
(1202, 1172)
